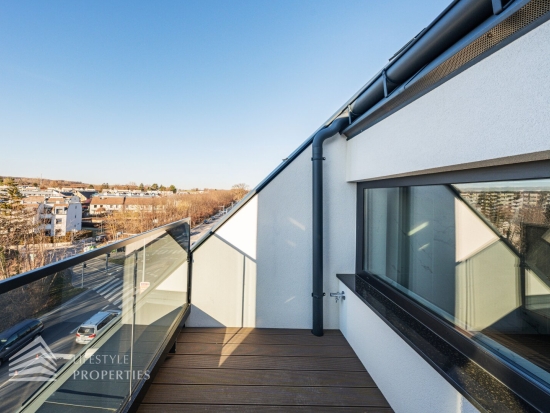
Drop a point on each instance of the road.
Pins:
(198, 231)
(103, 292)
(59, 334)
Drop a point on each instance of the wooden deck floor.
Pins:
(265, 370)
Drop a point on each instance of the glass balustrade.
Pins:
(82, 334)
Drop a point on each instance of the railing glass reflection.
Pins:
(84, 335)
(477, 255)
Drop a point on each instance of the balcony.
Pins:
(103, 323)
(247, 369)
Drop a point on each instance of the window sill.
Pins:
(486, 381)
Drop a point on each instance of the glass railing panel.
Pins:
(161, 280)
(54, 307)
(82, 338)
(99, 376)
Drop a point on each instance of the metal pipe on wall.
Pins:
(317, 223)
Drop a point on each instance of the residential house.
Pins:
(135, 204)
(57, 215)
(106, 204)
(85, 199)
(85, 195)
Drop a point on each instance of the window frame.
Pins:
(523, 385)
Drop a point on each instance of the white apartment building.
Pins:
(57, 215)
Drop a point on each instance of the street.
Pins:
(199, 230)
(59, 333)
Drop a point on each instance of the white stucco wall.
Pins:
(74, 217)
(497, 108)
(284, 248)
(267, 245)
(409, 383)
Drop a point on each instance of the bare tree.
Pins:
(155, 212)
(21, 240)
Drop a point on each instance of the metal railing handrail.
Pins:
(25, 278)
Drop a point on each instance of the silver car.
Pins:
(89, 329)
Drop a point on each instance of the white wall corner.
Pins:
(407, 381)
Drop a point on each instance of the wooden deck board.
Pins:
(263, 339)
(191, 408)
(262, 370)
(271, 350)
(313, 378)
(247, 330)
(263, 362)
(266, 395)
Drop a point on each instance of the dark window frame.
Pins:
(527, 388)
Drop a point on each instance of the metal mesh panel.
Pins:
(523, 17)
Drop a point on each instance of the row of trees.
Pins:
(164, 210)
(24, 246)
(40, 183)
(133, 186)
(50, 183)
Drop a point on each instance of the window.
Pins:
(58, 220)
(86, 330)
(477, 255)
(11, 341)
(24, 332)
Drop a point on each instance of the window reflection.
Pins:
(476, 254)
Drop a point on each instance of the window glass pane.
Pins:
(476, 254)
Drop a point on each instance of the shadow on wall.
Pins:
(202, 319)
(224, 286)
(255, 270)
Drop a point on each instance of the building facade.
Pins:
(57, 216)
(104, 205)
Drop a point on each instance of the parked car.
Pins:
(100, 238)
(89, 329)
(15, 338)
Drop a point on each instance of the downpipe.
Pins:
(317, 225)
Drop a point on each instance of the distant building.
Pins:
(139, 204)
(40, 192)
(84, 195)
(107, 204)
(57, 216)
(101, 205)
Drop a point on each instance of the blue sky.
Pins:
(190, 93)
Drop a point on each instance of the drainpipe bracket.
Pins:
(318, 296)
(319, 159)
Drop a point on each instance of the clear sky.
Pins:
(190, 93)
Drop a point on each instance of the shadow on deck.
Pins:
(245, 370)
